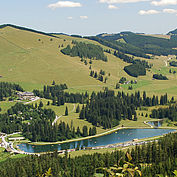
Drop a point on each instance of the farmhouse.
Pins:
(25, 95)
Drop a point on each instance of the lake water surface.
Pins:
(120, 136)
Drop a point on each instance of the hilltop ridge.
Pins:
(26, 29)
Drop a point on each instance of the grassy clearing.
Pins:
(141, 83)
(157, 35)
(5, 105)
(72, 118)
(59, 110)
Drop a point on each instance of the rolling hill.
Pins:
(32, 59)
(146, 44)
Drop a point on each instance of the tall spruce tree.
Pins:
(78, 109)
(66, 111)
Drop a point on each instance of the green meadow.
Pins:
(5, 105)
(33, 60)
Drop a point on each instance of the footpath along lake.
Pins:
(120, 136)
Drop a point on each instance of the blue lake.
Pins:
(120, 136)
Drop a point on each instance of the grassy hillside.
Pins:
(32, 60)
(32, 63)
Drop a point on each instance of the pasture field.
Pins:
(33, 60)
(59, 110)
(5, 105)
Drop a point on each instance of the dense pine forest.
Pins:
(59, 97)
(151, 159)
(129, 59)
(170, 113)
(84, 50)
(8, 89)
(159, 77)
(107, 109)
(12, 121)
(135, 70)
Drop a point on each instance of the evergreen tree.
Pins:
(117, 86)
(94, 131)
(53, 83)
(40, 104)
(85, 131)
(105, 80)
(135, 117)
(54, 100)
(90, 131)
(90, 62)
(130, 87)
(95, 76)
(66, 111)
(85, 62)
(82, 113)
(78, 109)
(129, 114)
(78, 131)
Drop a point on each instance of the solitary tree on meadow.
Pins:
(66, 111)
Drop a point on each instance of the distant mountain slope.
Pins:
(110, 36)
(145, 44)
(174, 32)
(120, 46)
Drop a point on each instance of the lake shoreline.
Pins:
(98, 135)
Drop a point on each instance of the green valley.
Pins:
(63, 94)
